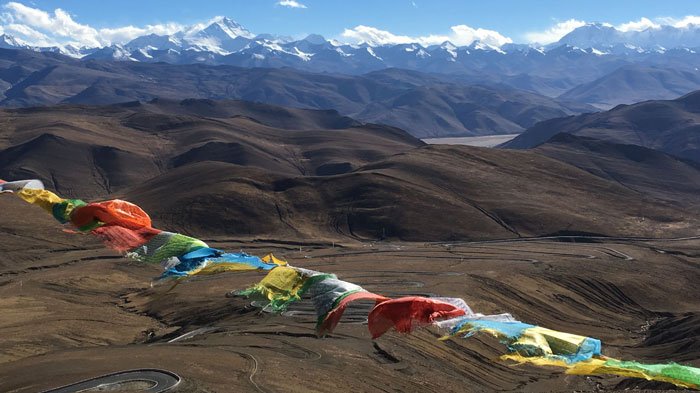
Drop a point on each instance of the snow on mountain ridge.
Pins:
(650, 38)
(221, 36)
(218, 25)
(10, 42)
(223, 41)
(154, 41)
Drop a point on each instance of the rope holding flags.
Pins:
(126, 228)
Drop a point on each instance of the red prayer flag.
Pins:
(406, 312)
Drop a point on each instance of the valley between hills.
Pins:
(591, 236)
(577, 211)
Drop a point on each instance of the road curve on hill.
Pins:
(141, 380)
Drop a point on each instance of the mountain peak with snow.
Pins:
(315, 39)
(221, 40)
(163, 42)
(220, 35)
(593, 34)
(9, 42)
(603, 35)
(220, 27)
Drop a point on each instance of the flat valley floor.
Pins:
(72, 310)
(482, 141)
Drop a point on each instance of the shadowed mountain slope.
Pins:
(91, 151)
(669, 126)
(422, 104)
(634, 83)
(649, 172)
(430, 193)
(221, 168)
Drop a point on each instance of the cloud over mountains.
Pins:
(554, 33)
(459, 35)
(560, 29)
(37, 27)
(41, 28)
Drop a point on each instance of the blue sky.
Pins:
(517, 20)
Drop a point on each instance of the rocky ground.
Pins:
(72, 310)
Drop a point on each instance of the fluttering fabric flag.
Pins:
(283, 285)
(271, 259)
(175, 246)
(530, 341)
(211, 261)
(14, 186)
(331, 297)
(576, 354)
(40, 197)
(110, 213)
(679, 375)
(125, 227)
(684, 376)
(404, 314)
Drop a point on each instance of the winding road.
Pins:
(141, 380)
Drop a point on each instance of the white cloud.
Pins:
(59, 24)
(374, 36)
(465, 35)
(291, 4)
(460, 35)
(554, 33)
(22, 13)
(640, 25)
(561, 29)
(31, 35)
(685, 22)
(40, 28)
(127, 33)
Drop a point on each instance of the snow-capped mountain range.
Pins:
(224, 41)
(601, 35)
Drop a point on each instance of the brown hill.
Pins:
(72, 310)
(635, 83)
(210, 168)
(420, 103)
(646, 171)
(430, 193)
(669, 126)
(93, 151)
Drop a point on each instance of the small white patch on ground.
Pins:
(481, 141)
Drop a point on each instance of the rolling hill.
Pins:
(91, 151)
(646, 171)
(590, 225)
(427, 194)
(422, 104)
(255, 170)
(635, 83)
(670, 126)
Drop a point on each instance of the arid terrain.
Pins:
(670, 126)
(559, 236)
(234, 168)
(539, 160)
(72, 310)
